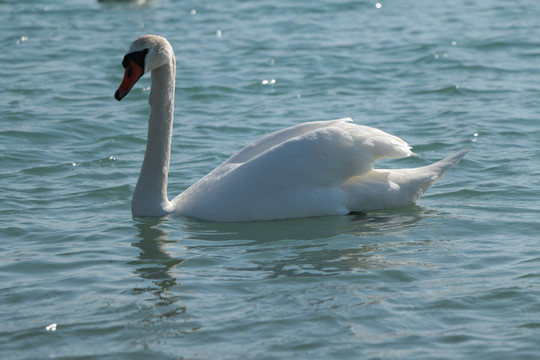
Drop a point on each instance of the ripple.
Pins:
(454, 274)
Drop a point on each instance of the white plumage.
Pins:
(311, 169)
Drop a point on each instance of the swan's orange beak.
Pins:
(131, 76)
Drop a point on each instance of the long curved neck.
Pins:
(150, 195)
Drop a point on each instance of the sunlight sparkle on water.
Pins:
(23, 38)
(51, 327)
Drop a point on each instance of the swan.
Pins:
(312, 169)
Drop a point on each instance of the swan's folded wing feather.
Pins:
(326, 156)
(380, 143)
(279, 137)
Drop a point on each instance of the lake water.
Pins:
(456, 276)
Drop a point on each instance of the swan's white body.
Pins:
(312, 169)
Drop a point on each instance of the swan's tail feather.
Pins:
(442, 166)
(382, 189)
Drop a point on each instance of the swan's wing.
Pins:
(382, 144)
(269, 141)
(326, 156)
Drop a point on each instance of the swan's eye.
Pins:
(137, 57)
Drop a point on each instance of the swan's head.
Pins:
(147, 53)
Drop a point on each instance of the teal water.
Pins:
(454, 277)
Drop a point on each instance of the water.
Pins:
(455, 276)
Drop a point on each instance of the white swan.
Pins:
(312, 169)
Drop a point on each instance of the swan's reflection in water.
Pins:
(155, 264)
(321, 246)
(361, 225)
(298, 247)
(224, 266)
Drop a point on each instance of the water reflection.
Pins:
(361, 225)
(321, 246)
(156, 264)
(226, 264)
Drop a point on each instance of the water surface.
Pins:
(454, 276)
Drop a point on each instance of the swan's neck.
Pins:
(150, 196)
